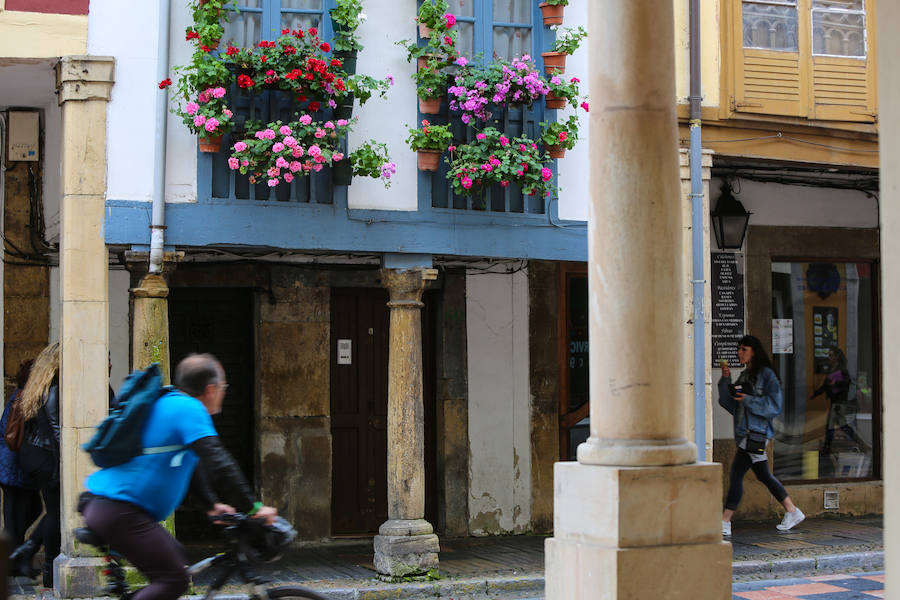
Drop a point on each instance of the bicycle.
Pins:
(243, 536)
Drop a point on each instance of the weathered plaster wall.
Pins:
(41, 35)
(26, 289)
(710, 54)
(544, 382)
(294, 399)
(499, 403)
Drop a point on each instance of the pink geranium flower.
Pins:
(233, 163)
(191, 108)
(240, 147)
(277, 147)
(449, 20)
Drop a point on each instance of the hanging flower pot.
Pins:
(554, 62)
(342, 172)
(210, 143)
(337, 28)
(424, 31)
(422, 61)
(552, 13)
(348, 60)
(553, 101)
(556, 151)
(429, 160)
(344, 109)
(430, 106)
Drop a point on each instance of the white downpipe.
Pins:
(158, 223)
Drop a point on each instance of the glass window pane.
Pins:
(839, 33)
(299, 20)
(770, 25)
(511, 42)
(840, 4)
(302, 4)
(242, 29)
(825, 430)
(462, 8)
(466, 42)
(512, 11)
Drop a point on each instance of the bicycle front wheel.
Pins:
(294, 591)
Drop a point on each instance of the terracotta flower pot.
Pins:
(430, 106)
(210, 143)
(555, 102)
(429, 160)
(553, 14)
(424, 31)
(554, 62)
(556, 151)
(422, 61)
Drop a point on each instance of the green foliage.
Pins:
(557, 2)
(569, 39)
(565, 89)
(493, 158)
(365, 86)
(560, 133)
(430, 137)
(431, 82)
(372, 160)
(431, 14)
(347, 18)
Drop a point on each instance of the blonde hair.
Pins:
(43, 372)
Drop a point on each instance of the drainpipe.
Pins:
(697, 240)
(158, 222)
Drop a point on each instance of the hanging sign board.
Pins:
(727, 292)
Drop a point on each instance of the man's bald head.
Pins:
(196, 372)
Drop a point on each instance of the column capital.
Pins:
(85, 78)
(138, 263)
(406, 285)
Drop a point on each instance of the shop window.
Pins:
(825, 354)
(492, 30)
(804, 58)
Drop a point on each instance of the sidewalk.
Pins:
(513, 566)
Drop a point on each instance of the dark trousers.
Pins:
(134, 534)
(21, 508)
(49, 527)
(739, 467)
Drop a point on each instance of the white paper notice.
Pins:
(782, 336)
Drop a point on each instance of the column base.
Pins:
(636, 453)
(405, 548)
(635, 532)
(77, 576)
(584, 571)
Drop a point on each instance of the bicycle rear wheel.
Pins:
(294, 591)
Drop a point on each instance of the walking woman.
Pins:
(754, 400)
(841, 406)
(39, 454)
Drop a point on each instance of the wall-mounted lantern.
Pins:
(729, 220)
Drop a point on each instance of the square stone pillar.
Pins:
(83, 85)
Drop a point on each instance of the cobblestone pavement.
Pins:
(858, 586)
(760, 552)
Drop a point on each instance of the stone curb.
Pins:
(831, 562)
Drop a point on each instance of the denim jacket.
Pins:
(758, 409)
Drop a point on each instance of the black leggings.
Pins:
(133, 533)
(21, 508)
(739, 467)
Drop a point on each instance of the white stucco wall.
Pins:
(499, 404)
(776, 204)
(574, 168)
(118, 320)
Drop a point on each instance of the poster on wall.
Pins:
(727, 291)
(825, 335)
(782, 336)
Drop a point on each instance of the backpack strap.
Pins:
(163, 449)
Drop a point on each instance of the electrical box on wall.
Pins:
(24, 135)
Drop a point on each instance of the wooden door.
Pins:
(360, 322)
(574, 405)
(359, 330)
(218, 321)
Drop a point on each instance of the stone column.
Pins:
(888, 16)
(83, 85)
(150, 311)
(635, 516)
(406, 544)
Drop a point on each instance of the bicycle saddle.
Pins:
(88, 536)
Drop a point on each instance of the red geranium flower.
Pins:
(448, 40)
(324, 47)
(314, 106)
(191, 35)
(290, 50)
(335, 62)
(244, 81)
(205, 48)
(313, 31)
(262, 58)
(298, 33)
(232, 51)
(165, 83)
(285, 31)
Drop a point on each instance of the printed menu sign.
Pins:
(727, 291)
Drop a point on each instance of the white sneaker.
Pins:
(790, 520)
(726, 528)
